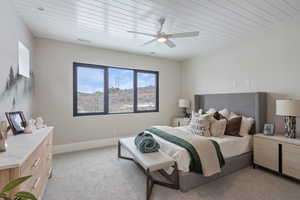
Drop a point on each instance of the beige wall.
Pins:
(54, 91)
(269, 63)
(13, 30)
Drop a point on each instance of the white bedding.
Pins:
(230, 146)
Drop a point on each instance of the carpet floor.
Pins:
(98, 175)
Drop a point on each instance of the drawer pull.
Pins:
(50, 173)
(35, 185)
(36, 163)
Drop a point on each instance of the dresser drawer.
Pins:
(291, 160)
(34, 183)
(34, 163)
(38, 162)
(266, 153)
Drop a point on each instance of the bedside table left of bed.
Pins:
(180, 121)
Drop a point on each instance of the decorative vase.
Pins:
(290, 126)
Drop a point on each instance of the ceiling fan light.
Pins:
(162, 39)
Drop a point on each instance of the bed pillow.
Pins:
(200, 124)
(218, 116)
(233, 126)
(225, 112)
(232, 115)
(246, 125)
(211, 111)
(218, 127)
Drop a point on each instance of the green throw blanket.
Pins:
(195, 165)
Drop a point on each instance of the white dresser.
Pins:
(278, 153)
(28, 154)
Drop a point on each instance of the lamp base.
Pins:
(186, 114)
(290, 126)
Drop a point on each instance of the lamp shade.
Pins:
(288, 107)
(184, 103)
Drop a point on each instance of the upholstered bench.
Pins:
(149, 162)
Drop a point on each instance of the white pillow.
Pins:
(211, 111)
(217, 127)
(232, 115)
(246, 125)
(200, 124)
(225, 113)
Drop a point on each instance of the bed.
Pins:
(230, 146)
(237, 151)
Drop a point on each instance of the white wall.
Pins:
(54, 91)
(13, 30)
(270, 63)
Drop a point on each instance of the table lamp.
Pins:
(290, 109)
(184, 103)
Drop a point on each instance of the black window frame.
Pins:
(106, 89)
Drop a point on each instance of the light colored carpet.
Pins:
(98, 175)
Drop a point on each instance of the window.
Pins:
(110, 90)
(90, 90)
(146, 91)
(121, 92)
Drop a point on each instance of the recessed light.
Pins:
(41, 9)
(83, 40)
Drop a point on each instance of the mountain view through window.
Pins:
(105, 90)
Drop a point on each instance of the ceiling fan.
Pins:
(165, 38)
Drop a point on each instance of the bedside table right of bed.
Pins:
(278, 153)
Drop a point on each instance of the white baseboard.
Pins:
(65, 148)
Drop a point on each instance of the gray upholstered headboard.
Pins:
(248, 104)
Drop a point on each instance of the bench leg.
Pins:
(120, 153)
(149, 180)
(173, 178)
(149, 185)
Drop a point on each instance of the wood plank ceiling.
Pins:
(104, 23)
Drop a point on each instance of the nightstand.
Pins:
(278, 153)
(180, 121)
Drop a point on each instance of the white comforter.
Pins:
(229, 145)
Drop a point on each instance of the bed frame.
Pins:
(247, 104)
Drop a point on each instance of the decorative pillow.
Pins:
(218, 116)
(246, 125)
(211, 111)
(225, 112)
(232, 115)
(217, 127)
(200, 124)
(233, 126)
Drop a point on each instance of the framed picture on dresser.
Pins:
(16, 121)
(269, 129)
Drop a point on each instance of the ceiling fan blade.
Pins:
(149, 42)
(170, 44)
(161, 21)
(181, 35)
(139, 33)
